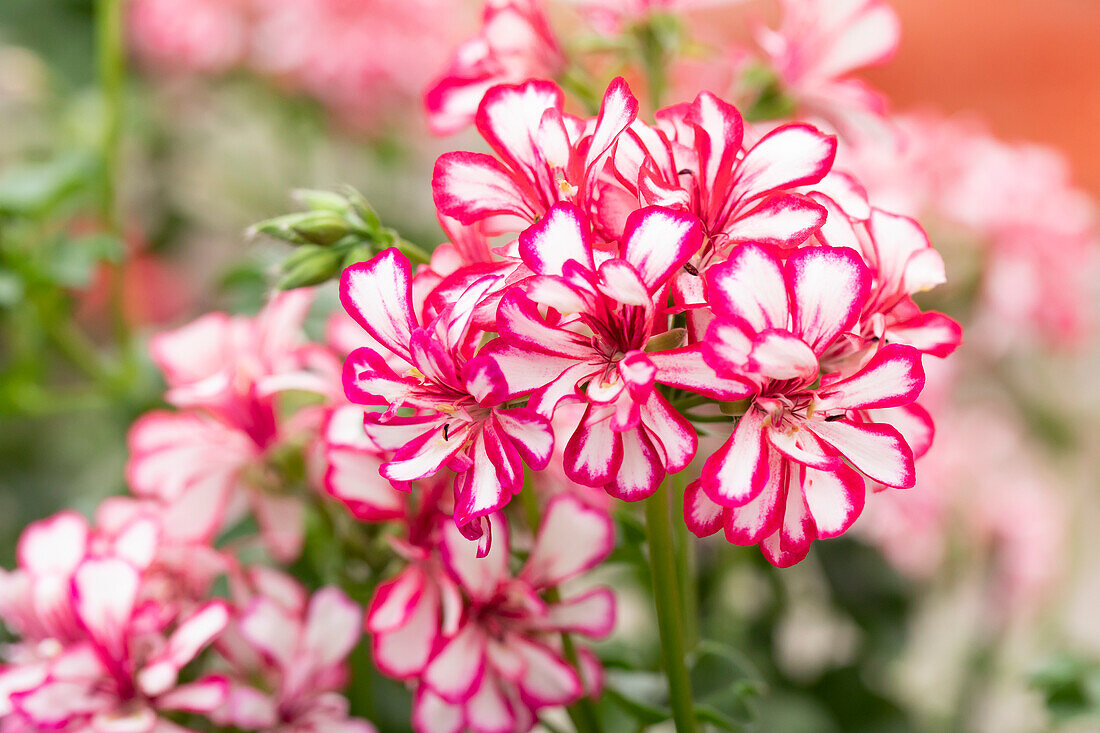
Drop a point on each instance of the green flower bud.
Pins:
(311, 264)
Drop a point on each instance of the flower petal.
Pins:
(658, 241)
(377, 294)
(876, 450)
(828, 289)
(572, 538)
(791, 155)
(749, 285)
(560, 236)
(594, 453)
(332, 628)
(456, 670)
(737, 473)
(549, 680)
(893, 377)
(701, 515)
(685, 368)
(782, 220)
(834, 499)
(592, 614)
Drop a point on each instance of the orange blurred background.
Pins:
(1029, 68)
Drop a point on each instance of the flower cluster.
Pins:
(360, 59)
(123, 625)
(662, 275)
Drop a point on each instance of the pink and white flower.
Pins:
(100, 648)
(819, 43)
(208, 462)
(543, 156)
(515, 43)
(496, 659)
(295, 646)
(456, 395)
(610, 308)
(783, 478)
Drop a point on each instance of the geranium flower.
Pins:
(515, 42)
(495, 657)
(99, 648)
(694, 159)
(783, 479)
(293, 646)
(456, 396)
(543, 156)
(819, 43)
(630, 435)
(206, 463)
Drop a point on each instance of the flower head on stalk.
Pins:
(608, 311)
(543, 156)
(455, 396)
(515, 43)
(217, 455)
(496, 659)
(788, 474)
(103, 638)
(287, 650)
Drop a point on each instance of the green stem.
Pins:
(583, 712)
(685, 569)
(111, 62)
(666, 596)
(112, 70)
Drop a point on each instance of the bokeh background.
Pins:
(972, 606)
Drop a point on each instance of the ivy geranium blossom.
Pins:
(455, 396)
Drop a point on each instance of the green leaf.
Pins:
(635, 704)
(707, 714)
(11, 289)
(71, 261)
(35, 189)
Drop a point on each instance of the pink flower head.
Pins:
(609, 310)
(783, 479)
(203, 36)
(819, 43)
(543, 156)
(496, 659)
(456, 395)
(295, 645)
(101, 648)
(902, 263)
(208, 461)
(515, 43)
(694, 159)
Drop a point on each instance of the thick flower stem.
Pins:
(666, 596)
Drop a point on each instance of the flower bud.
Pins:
(312, 227)
(311, 264)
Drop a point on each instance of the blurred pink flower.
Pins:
(482, 643)
(201, 36)
(288, 652)
(102, 645)
(515, 43)
(206, 462)
(818, 44)
(994, 500)
(366, 60)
